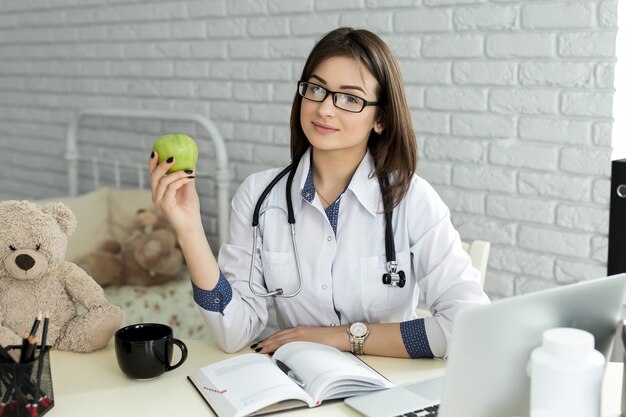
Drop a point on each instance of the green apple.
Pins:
(181, 147)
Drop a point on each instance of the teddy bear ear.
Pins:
(63, 215)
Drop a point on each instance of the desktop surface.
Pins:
(92, 384)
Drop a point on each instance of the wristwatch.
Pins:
(358, 332)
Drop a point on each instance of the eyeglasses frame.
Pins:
(332, 93)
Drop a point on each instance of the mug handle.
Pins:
(183, 351)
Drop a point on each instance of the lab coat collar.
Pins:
(366, 189)
(364, 185)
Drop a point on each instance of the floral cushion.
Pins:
(171, 303)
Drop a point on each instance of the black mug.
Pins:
(144, 350)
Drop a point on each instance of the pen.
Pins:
(291, 374)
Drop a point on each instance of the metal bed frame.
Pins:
(222, 175)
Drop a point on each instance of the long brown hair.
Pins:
(395, 149)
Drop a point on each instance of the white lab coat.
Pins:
(342, 275)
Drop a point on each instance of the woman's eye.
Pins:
(37, 246)
(12, 247)
(348, 99)
(318, 91)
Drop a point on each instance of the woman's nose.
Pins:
(326, 107)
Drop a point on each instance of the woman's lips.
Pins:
(323, 129)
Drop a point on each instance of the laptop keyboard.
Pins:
(422, 412)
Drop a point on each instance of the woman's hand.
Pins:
(175, 195)
(333, 336)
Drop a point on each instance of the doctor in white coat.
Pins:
(369, 233)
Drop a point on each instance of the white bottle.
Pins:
(566, 375)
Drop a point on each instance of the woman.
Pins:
(352, 147)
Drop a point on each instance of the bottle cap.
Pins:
(565, 340)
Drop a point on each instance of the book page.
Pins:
(329, 373)
(243, 384)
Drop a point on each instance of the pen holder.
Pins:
(26, 388)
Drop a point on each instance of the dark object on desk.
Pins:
(25, 388)
(617, 222)
(144, 350)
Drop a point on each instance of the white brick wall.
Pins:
(511, 102)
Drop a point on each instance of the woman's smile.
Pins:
(324, 129)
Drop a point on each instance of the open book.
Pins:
(309, 374)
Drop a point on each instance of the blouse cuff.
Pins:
(216, 299)
(415, 340)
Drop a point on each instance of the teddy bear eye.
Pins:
(12, 247)
(37, 246)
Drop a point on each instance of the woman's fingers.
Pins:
(159, 180)
(169, 184)
(281, 337)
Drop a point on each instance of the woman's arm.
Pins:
(385, 339)
(176, 196)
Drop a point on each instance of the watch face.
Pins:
(358, 329)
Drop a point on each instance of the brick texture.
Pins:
(511, 101)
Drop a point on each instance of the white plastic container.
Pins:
(566, 375)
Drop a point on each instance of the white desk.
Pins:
(93, 385)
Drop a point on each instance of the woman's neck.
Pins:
(332, 172)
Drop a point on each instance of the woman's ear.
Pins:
(378, 127)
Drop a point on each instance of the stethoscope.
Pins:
(392, 277)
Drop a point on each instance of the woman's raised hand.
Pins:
(175, 195)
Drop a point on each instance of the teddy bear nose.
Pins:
(24, 261)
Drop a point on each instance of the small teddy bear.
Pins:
(34, 277)
(149, 256)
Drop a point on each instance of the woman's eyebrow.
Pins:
(342, 87)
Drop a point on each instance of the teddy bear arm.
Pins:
(81, 287)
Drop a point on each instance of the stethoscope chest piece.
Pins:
(394, 277)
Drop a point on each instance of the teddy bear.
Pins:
(149, 256)
(34, 277)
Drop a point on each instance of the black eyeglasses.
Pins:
(343, 101)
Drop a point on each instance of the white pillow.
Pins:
(105, 213)
(92, 212)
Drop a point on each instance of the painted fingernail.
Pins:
(170, 160)
(258, 349)
(188, 171)
(191, 176)
(151, 154)
(253, 346)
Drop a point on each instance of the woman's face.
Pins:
(329, 128)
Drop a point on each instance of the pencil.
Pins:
(26, 336)
(30, 349)
(33, 329)
(42, 353)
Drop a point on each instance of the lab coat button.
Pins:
(332, 324)
(329, 238)
(324, 287)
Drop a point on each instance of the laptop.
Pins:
(486, 373)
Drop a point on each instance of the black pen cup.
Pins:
(145, 350)
(25, 388)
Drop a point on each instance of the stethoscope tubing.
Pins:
(393, 277)
(278, 292)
